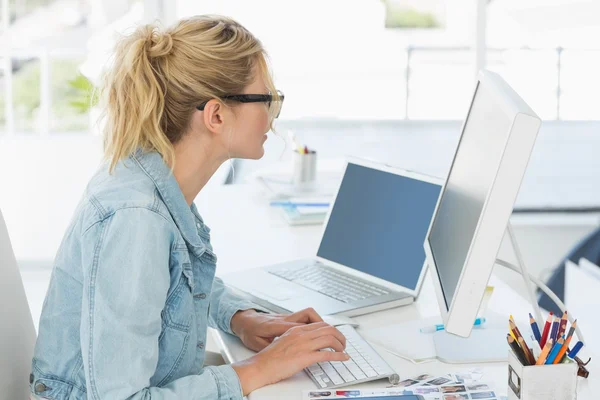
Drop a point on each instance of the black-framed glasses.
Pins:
(251, 98)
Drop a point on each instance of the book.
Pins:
(304, 215)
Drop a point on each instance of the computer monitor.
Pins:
(477, 199)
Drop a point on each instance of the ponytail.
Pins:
(135, 97)
(158, 77)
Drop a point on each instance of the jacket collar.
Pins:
(154, 166)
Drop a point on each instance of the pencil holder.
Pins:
(305, 169)
(541, 382)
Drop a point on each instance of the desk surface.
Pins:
(247, 233)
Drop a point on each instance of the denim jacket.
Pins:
(132, 293)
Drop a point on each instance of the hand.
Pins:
(257, 330)
(295, 350)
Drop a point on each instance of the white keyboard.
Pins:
(364, 364)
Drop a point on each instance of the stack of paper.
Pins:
(447, 387)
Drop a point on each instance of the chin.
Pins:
(260, 153)
(255, 155)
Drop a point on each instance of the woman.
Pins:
(133, 288)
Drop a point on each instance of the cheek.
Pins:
(263, 119)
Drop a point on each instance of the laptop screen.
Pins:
(378, 224)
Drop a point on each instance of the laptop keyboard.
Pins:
(364, 364)
(330, 282)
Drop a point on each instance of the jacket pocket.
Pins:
(179, 307)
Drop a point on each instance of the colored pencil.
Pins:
(555, 350)
(520, 337)
(535, 329)
(546, 331)
(537, 350)
(517, 350)
(527, 351)
(554, 331)
(565, 346)
(562, 328)
(542, 358)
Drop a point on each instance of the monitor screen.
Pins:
(378, 224)
(471, 176)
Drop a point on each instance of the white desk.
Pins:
(247, 233)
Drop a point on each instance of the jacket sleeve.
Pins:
(126, 280)
(224, 304)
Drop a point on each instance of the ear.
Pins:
(213, 116)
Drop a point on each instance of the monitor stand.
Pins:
(487, 344)
(484, 345)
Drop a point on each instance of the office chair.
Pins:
(17, 332)
(589, 248)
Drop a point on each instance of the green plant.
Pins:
(72, 95)
(87, 95)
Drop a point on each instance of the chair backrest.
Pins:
(17, 332)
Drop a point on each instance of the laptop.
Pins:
(371, 253)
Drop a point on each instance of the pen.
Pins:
(440, 327)
(546, 331)
(575, 350)
(291, 203)
(565, 346)
(535, 329)
(542, 358)
(554, 332)
(555, 350)
(563, 325)
(517, 350)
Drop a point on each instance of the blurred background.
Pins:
(388, 80)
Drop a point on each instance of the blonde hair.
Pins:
(158, 77)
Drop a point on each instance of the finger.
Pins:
(313, 326)
(307, 316)
(322, 356)
(279, 327)
(326, 342)
(328, 330)
(260, 343)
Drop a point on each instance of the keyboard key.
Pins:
(359, 374)
(336, 378)
(328, 369)
(314, 367)
(320, 381)
(370, 372)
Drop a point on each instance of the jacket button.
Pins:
(200, 296)
(200, 345)
(40, 387)
(31, 378)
